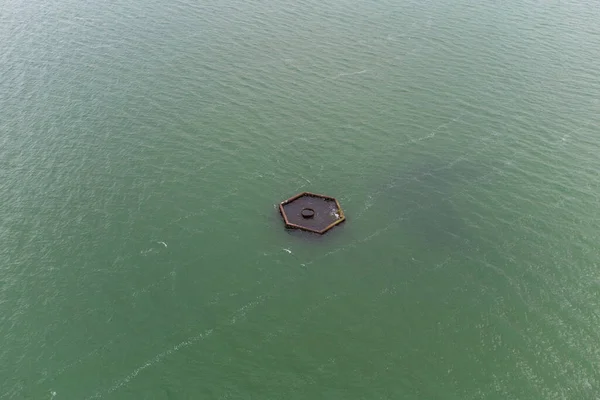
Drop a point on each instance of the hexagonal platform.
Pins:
(311, 212)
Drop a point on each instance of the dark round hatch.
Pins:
(307, 213)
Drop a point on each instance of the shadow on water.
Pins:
(426, 199)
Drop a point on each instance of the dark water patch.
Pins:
(423, 200)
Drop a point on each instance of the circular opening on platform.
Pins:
(307, 213)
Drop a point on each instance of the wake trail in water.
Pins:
(236, 316)
(157, 359)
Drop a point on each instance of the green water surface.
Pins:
(144, 146)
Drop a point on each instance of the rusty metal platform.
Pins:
(311, 212)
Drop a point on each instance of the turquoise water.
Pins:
(144, 147)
